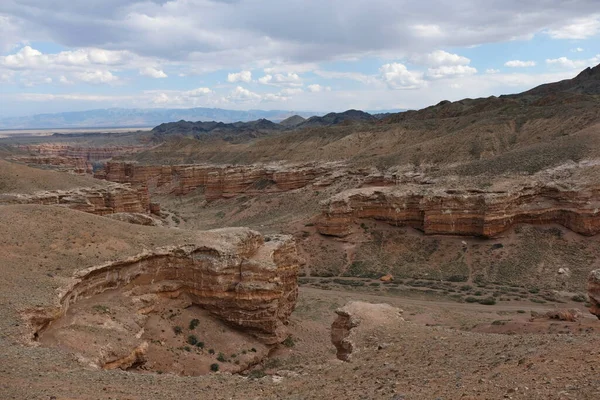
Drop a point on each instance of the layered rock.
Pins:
(112, 199)
(78, 165)
(241, 279)
(87, 153)
(360, 326)
(594, 292)
(461, 212)
(219, 181)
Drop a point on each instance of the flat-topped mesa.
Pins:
(115, 198)
(594, 292)
(469, 213)
(234, 274)
(218, 180)
(78, 165)
(85, 152)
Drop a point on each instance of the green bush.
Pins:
(214, 367)
(221, 357)
(200, 345)
(289, 342)
(193, 340)
(488, 301)
(471, 299)
(194, 323)
(211, 351)
(177, 330)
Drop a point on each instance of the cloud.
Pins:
(450, 71)
(203, 91)
(316, 88)
(355, 76)
(243, 76)
(577, 50)
(492, 71)
(291, 91)
(153, 73)
(30, 58)
(397, 76)
(519, 64)
(240, 94)
(440, 58)
(580, 28)
(564, 62)
(289, 79)
(96, 77)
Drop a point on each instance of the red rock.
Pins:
(594, 292)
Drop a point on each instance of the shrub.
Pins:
(488, 301)
(458, 278)
(211, 351)
(200, 345)
(214, 367)
(257, 374)
(194, 323)
(580, 298)
(253, 350)
(177, 330)
(221, 357)
(193, 340)
(289, 342)
(471, 299)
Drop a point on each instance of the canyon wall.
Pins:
(455, 212)
(236, 275)
(219, 181)
(114, 198)
(78, 165)
(85, 152)
(594, 292)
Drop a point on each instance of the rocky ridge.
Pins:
(84, 152)
(77, 165)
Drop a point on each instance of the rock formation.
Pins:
(363, 325)
(219, 181)
(245, 281)
(594, 292)
(78, 165)
(461, 212)
(114, 198)
(87, 153)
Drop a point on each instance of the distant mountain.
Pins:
(292, 121)
(135, 118)
(199, 129)
(350, 116)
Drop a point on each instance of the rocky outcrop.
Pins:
(78, 165)
(462, 212)
(245, 281)
(219, 181)
(87, 153)
(112, 199)
(594, 292)
(136, 218)
(360, 326)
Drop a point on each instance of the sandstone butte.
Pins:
(235, 274)
(114, 198)
(460, 212)
(219, 181)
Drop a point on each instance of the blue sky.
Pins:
(67, 55)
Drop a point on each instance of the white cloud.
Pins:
(580, 28)
(397, 76)
(289, 79)
(565, 62)
(240, 94)
(519, 64)
(355, 76)
(440, 58)
(243, 76)
(316, 88)
(492, 71)
(577, 50)
(450, 71)
(203, 91)
(30, 58)
(291, 91)
(96, 77)
(152, 72)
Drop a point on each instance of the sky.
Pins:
(303, 55)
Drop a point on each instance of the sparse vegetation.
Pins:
(194, 323)
(177, 330)
(214, 367)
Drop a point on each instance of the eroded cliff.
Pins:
(462, 212)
